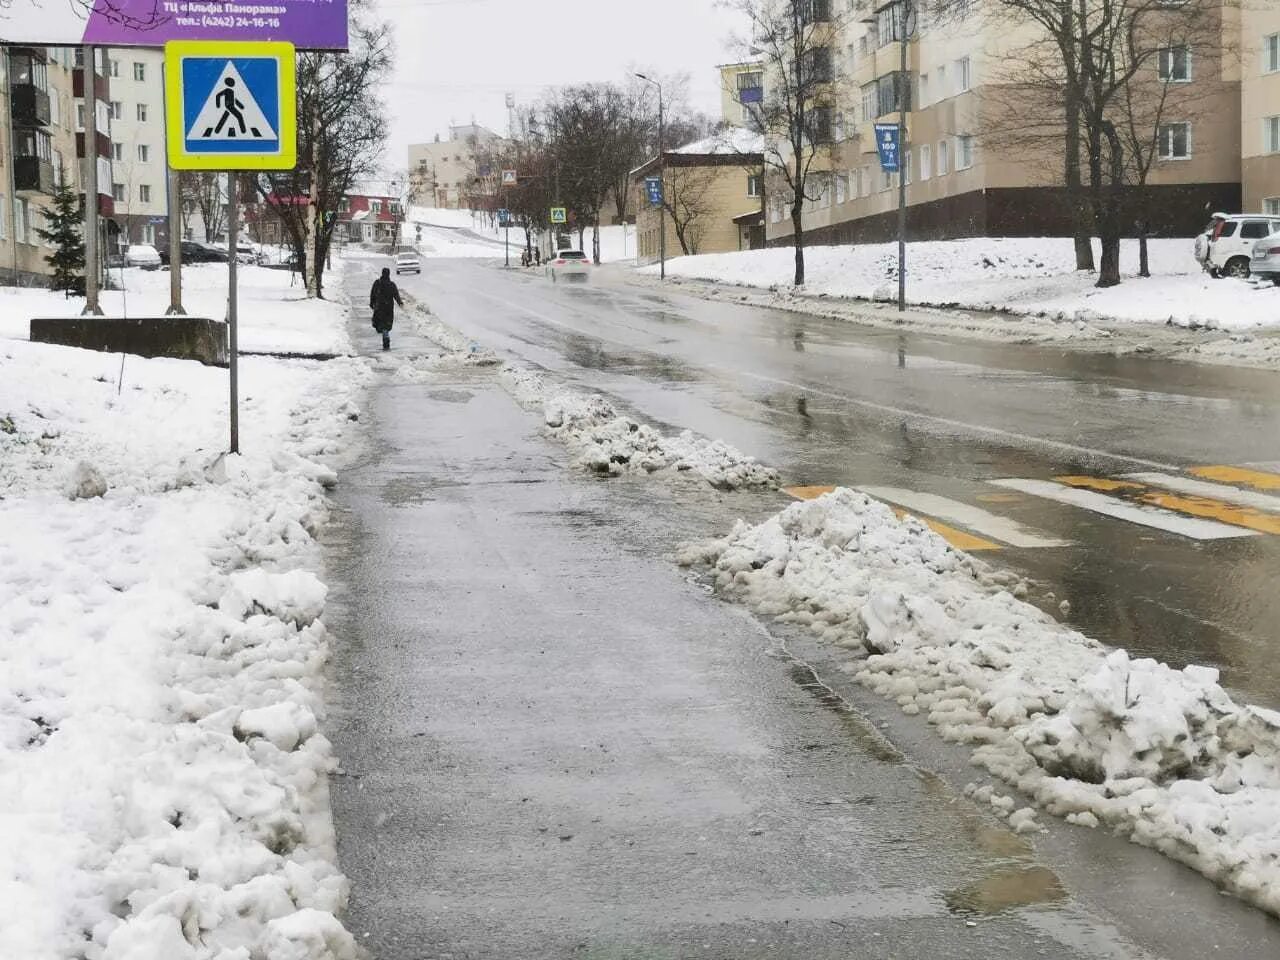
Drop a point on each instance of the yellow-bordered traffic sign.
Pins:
(559, 215)
(230, 105)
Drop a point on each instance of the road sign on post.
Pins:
(230, 106)
(509, 178)
(653, 189)
(233, 107)
(559, 215)
(887, 146)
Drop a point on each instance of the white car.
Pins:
(408, 262)
(1265, 263)
(142, 255)
(1225, 248)
(568, 265)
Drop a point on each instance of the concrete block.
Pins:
(180, 338)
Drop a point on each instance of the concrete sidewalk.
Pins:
(555, 745)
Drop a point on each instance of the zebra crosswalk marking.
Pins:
(1195, 506)
(1245, 476)
(1202, 488)
(957, 538)
(970, 517)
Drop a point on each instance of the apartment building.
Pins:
(441, 173)
(41, 143)
(741, 85)
(1260, 106)
(140, 178)
(967, 172)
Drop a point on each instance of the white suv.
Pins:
(1225, 246)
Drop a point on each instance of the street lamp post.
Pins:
(662, 179)
(904, 91)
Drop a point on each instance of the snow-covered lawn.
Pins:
(163, 788)
(1161, 756)
(1030, 276)
(274, 314)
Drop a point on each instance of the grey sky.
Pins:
(457, 59)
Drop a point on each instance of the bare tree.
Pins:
(204, 192)
(687, 196)
(793, 39)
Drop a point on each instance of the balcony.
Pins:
(33, 175)
(30, 105)
(104, 145)
(101, 85)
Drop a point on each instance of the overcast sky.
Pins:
(457, 59)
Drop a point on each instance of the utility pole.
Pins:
(904, 91)
(662, 180)
(92, 255)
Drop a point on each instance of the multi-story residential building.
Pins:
(741, 84)
(1260, 106)
(967, 172)
(442, 173)
(140, 178)
(40, 144)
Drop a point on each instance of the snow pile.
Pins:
(1032, 276)
(605, 442)
(163, 790)
(1163, 756)
(274, 314)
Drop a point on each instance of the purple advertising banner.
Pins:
(307, 24)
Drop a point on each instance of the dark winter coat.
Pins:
(383, 297)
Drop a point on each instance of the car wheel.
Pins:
(1237, 267)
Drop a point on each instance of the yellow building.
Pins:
(1260, 107)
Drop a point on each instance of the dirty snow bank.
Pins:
(605, 442)
(163, 789)
(1162, 756)
(1031, 276)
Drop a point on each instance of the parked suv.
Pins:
(1226, 245)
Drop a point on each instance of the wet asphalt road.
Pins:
(556, 744)
(830, 403)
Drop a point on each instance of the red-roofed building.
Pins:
(369, 219)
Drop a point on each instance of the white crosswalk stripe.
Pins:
(1154, 517)
(967, 516)
(1214, 491)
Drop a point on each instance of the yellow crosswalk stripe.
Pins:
(957, 538)
(1204, 507)
(1258, 479)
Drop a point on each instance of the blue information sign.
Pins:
(887, 146)
(653, 187)
(504, 218)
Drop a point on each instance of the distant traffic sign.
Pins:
(509, 178)
(559, 215)
(653, 188)
(504, 218)
(231, 106)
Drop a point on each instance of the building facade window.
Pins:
(4, 218)
(113, 68)
(1173, 64)
(869, 101)
(1271, 134)
(964, 75)
(148, 231)
(907, 165)
(753, 185)
(886, 179)
(144, 152)
(893, 93)
(1175, 141)
(140, 72)
(942, 158)
(20, 220)
(1271, 53)
(842, 188)
(117, 152)
(117, 192)
(1270, 206)
(144, 193)
(142, 113)
(117, 110)
(940, 89)
(926, 161)
(964, 152)
(924, 90)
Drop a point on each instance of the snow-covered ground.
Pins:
(163, 791)
(1029, 276)
(274, 314)
(440, 229)
(1164, 757)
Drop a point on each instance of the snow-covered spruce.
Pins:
(163, 791)
(605, 442)
(1162, 756)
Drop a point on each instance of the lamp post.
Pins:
(904, 91)
(662, 179)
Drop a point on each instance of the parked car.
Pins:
(246, 252)
(193, 252)
(142, 255)
(1265, 263)
(1225, 248)
(407, 262)
(568, 265)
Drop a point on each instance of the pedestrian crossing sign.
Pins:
(230, 105)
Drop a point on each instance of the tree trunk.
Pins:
(310, 268)
(798, 233)
(1144, 265)
(1109, 265)
(1079, 218)
(595, 242)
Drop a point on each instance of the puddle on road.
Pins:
(451, 396)
(1007, 889)
(412, 490)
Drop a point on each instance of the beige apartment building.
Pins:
(968, 171)
(41, 141)
(441, 174)
(1260, 106)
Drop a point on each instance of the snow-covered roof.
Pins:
(360, 215)
(730, 141)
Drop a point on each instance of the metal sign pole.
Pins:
(92, 255)
(233, 343)
(174, 197)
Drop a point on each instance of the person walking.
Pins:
(383, 297)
